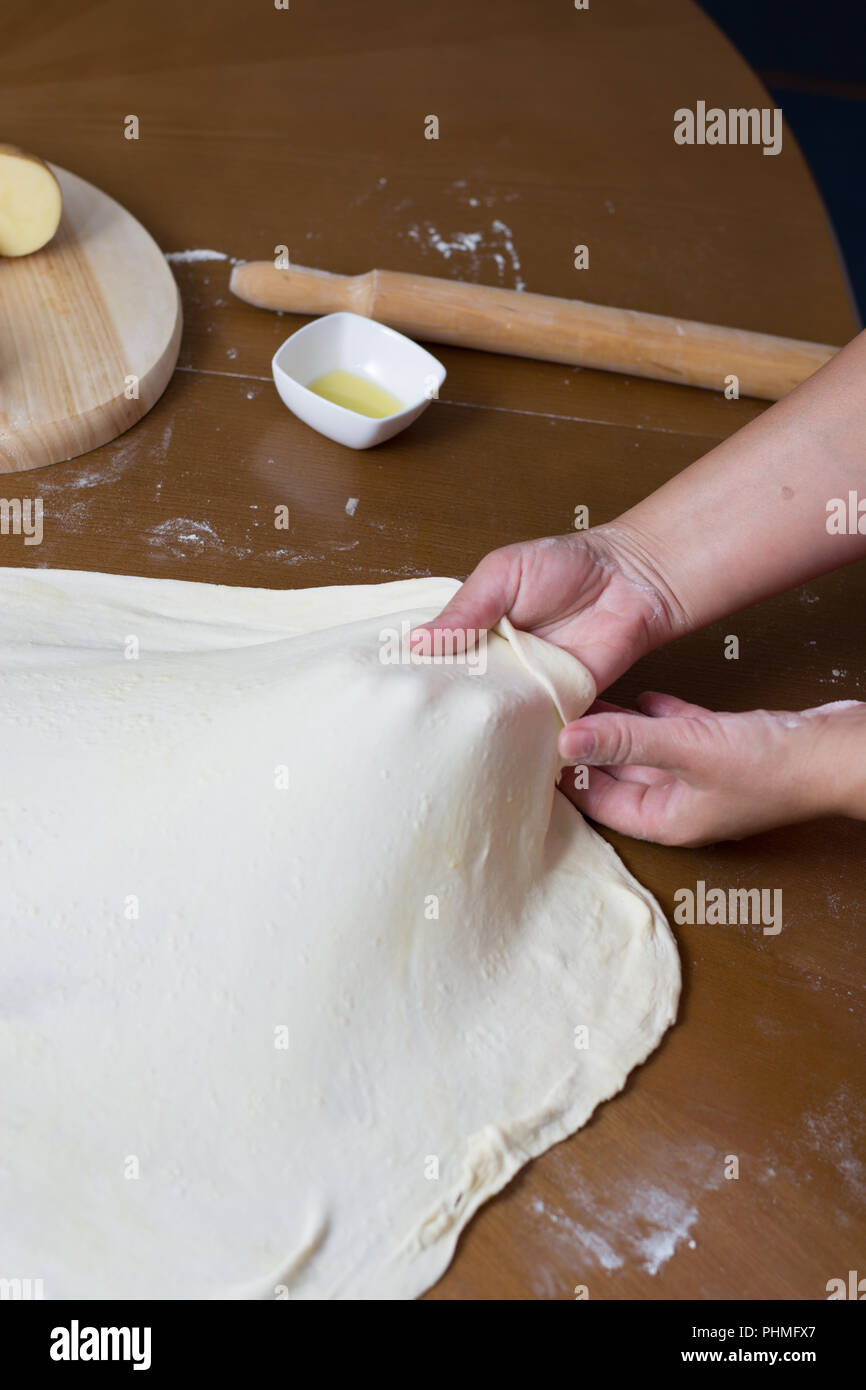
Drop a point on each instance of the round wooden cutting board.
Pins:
(89, 332)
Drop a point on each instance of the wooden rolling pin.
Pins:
(539, 325)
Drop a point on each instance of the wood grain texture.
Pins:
(95, 307)
(260, 128)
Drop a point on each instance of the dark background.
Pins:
(812, 58)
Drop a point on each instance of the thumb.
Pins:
(609, 740)
(487, 595)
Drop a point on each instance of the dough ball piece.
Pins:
(30, 202)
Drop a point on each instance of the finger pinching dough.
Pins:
(296, 939)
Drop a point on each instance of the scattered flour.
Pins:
(839, 674)
(394, 572)
(649, 1227)
(187, 257)
(463, 241)
(670, 1219)
(363, 197)
(645, 1223)
(595, 1245)
(837, 1132)
(71, 489)
(460, 188)
(181, 528)
(471, 249)
(352, 506)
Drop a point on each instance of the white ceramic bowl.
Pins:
(351, 343)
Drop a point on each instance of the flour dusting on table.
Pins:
(470, 250)
(188, 257)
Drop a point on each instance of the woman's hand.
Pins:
(595, 593)
(682, 775)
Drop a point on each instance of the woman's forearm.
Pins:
(750, 519)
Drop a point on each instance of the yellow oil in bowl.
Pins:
(356, 393)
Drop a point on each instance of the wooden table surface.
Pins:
(305, 127)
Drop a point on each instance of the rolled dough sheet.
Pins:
(295, 942)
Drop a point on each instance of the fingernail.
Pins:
(577, 745)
